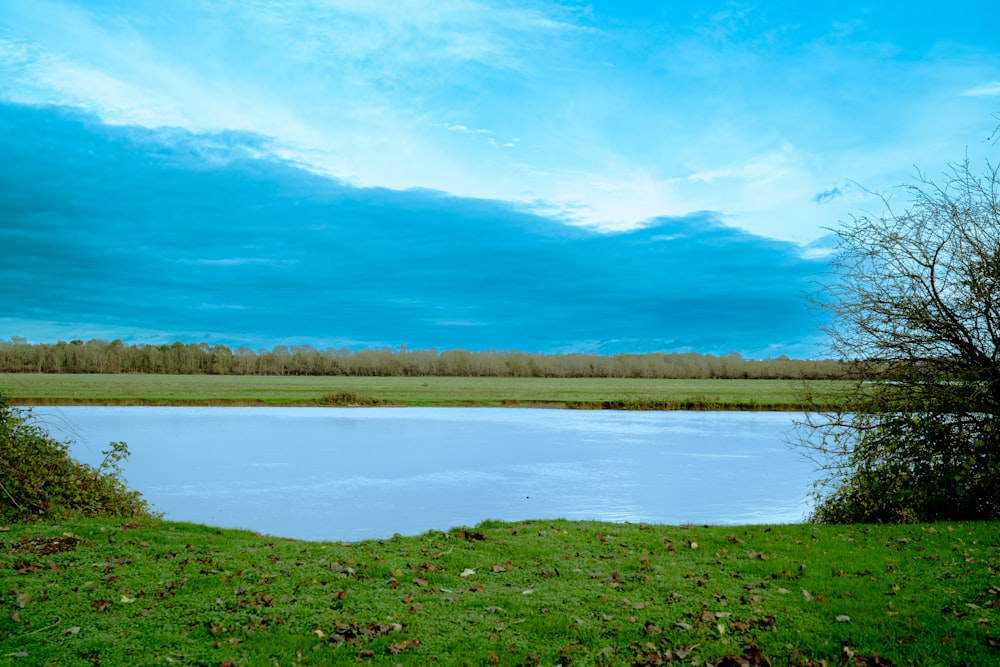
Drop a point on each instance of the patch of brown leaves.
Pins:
(44, 546)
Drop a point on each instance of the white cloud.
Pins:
(758, 170)
(985, 90)
(13, 52)
(810, 252)
(390, 93)
(464, 129)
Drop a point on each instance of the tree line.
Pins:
(100, 356)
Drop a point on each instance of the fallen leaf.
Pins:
(467, 572)
(72, 631)
(472, 537)
(843, 618)
(807, 595)
(399, 647)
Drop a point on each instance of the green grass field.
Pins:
(100, 592)
(38, 389)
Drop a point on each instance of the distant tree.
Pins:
(916, 311)
(98, 356)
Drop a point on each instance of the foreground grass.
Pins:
(544, 592)
(614, 393)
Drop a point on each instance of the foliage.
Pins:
(102, 357)
(917, 311)
(39, 480)
(523, 593)
(347, 399)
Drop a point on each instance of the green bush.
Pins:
(914, 467)
(346, 398)
(40, 481)
(915, 313)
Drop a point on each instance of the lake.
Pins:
(359, 473)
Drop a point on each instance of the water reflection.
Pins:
(348, 474)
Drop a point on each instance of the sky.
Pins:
(482, 174)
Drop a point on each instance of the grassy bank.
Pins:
(544, 592)
(591, 393)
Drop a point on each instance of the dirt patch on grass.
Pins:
(45, 546)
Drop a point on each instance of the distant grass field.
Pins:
(592, 393)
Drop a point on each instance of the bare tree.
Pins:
(915, 309)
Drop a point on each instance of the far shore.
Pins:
(31, 389)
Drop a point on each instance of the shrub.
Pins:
(915, 311)
(346, 398)
(40, 481)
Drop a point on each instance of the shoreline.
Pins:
(419, 391)
(540, 405)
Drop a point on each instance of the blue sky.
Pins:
(543, 176)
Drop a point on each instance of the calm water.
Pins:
(349, 474)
